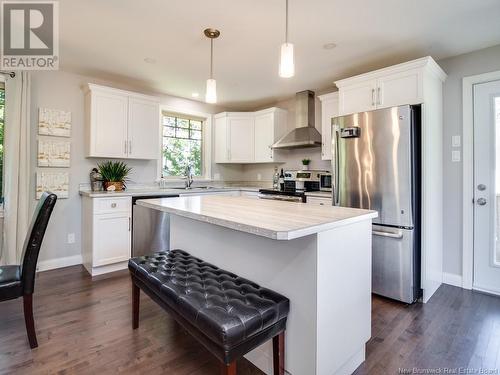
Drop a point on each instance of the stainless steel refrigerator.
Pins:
(376, 165)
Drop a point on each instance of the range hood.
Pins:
(305, 134)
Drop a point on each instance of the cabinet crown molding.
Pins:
(329, 96)
(427, 63)
(93, 87)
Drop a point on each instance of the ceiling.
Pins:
(110, 39)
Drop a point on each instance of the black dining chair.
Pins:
(19, 280)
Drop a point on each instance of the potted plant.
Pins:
(114, 174)
(305, 163)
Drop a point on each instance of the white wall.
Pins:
(482, 61)
(63, 90)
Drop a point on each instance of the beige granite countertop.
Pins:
(268, 218)
(165, 191)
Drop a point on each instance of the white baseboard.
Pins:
(50, 264)
(452, 279)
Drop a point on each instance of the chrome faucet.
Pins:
(188, 175)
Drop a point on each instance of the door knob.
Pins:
(481, 201)
(481, 187)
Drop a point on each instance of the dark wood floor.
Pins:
(84, 327)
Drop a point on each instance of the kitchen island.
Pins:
(319, 257)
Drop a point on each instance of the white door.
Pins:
(241, 139)
(264, 137)
(109, 133)
(143, 129)
(487, 187)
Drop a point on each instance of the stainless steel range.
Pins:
(297, 182)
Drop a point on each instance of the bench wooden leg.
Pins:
(228, 369)
(135, 305)
(28, 319)
(279, 354)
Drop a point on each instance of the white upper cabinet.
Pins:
(241, 134)
(358, 97)
(270, 125)
(143, 129)
(396, 85)
(329, 109)
(121, 124)
(247, 137)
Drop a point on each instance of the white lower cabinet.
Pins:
(106, 228)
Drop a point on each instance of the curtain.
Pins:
(16, 166)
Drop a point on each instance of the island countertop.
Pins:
(267, 218)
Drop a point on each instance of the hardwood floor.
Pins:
(84, 327)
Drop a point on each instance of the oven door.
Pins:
(325, 182)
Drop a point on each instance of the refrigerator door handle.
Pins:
(397, 236)
(335, 164)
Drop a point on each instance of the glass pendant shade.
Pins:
(287, 65)
(211, 94)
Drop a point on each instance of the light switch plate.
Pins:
(455, 141)
(71, 238)
(455, 156)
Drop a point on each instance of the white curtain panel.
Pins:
(16, 166)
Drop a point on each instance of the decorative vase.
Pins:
(305, 166)
(113, 185)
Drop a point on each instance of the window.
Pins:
(182, 145)
(2, 116)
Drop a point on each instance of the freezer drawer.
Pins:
(150, 231)
(394, 264)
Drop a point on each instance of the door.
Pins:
(358, 97)
(487, 187)
(109, 122)
(400, 88)
(264, 137)
(241, 139)
(112, 240)
(143, 129)
(375, 164)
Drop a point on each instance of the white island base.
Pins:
(326, 276)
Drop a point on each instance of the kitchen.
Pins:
(174, 169)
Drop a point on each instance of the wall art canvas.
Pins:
(54, 122)
(53, 153)
(56, 182)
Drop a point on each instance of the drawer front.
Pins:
(111, 205)
(318, 201)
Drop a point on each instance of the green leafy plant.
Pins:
(116, 171)
(306, 161)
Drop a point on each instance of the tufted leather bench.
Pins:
(228, 314)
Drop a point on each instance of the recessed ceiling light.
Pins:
(329, 46)
(195, 94)
(149, 60)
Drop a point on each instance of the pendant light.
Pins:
(287, 65)
(211, 93)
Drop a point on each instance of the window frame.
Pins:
(206, 142)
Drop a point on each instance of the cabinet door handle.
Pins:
(378, 96)
(373, 97)
(113, 205)
(125, 147)
(270, 152)
(130, 147)
(129, 224)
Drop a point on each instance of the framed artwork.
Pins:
(53, 153)
(56, 182)
(54, 122)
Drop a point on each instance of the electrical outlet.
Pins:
(259, 177)
(71, 238)
(455, 156)
(455, 141)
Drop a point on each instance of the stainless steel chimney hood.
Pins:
(305, 133)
